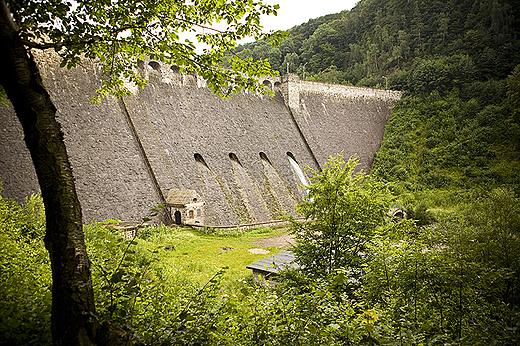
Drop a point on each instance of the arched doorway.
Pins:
(177, 217)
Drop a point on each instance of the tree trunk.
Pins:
(74, 320)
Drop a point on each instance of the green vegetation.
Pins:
(347, 209)
(454, 282)
(128, 275)
(456, 279)
(441, 145)
(199, 254)
(25, 275)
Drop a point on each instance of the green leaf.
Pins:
(185, 316)
(117, 276)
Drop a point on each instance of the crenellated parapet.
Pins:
(172, 74)
(169, 74)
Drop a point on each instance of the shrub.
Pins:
(25, 274)
(456, 280)
(343, 210)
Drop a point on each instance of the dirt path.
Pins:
(278, 241)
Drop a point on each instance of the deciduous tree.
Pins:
(116, 33)
(344, 209)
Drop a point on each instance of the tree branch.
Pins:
(200, 25)
(68, 43)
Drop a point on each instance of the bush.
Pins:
(420, 214)
(25, 274)
(453, 282)
(456, 280)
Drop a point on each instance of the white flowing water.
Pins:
(299, 173)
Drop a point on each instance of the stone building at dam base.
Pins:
(243, 157)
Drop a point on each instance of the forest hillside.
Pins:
(457, 126)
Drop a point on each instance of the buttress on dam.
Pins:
(243, 158)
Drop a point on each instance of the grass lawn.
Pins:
(200, 254)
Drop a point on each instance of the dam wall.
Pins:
(176, 134)
(338, 118)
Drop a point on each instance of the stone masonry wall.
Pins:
(176, 134)
(112, 180)
(339, 118)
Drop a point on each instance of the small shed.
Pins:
(185, 207)
(265, 269)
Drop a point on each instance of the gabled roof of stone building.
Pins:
(179, 198)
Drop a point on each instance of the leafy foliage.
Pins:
(119, 33)
(25, 275)
(513, 94)
(445, 282)
(453, 140)
(454, 282)
(343, 210)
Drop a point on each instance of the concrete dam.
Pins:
(243, 157)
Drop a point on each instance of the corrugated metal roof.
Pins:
(283, 260)
(179, 198)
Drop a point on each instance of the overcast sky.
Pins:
(295, 12)
(291, 13)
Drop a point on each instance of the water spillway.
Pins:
(297, 170)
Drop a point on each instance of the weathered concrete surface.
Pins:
(111, 178)
(176, 134)
(338, 118)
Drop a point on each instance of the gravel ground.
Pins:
(278, 241)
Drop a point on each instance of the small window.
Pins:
(154, 65)
(199, 212)
(191, 214)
